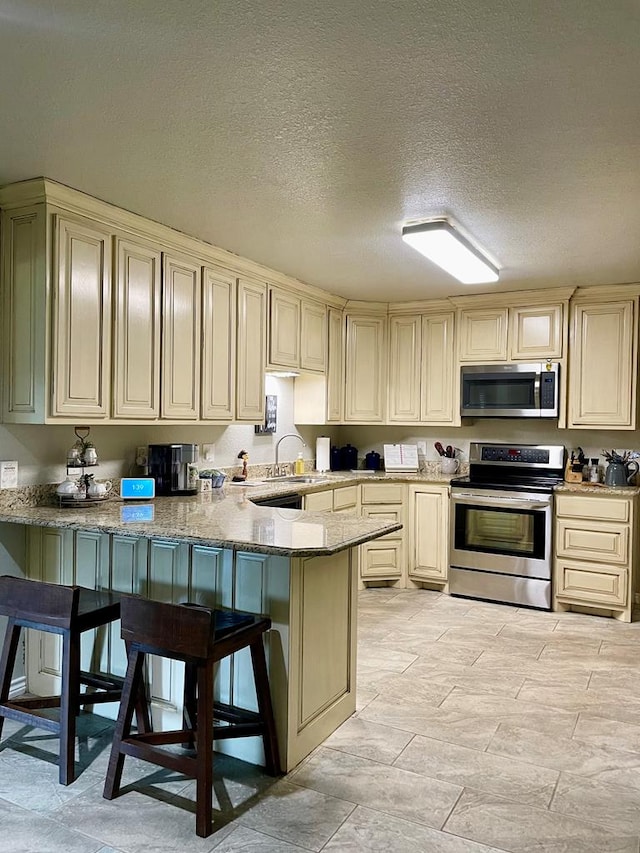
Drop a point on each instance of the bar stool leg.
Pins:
(7, 662)
(189, 707)
(69, 705)
(131, 696)
(265, 707)
(204, 747)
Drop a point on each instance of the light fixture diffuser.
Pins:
(439, 241)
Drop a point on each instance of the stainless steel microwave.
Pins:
(510, 390)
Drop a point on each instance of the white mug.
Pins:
(99, 490)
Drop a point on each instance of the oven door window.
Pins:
(492, 530)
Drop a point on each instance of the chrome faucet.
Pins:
(275, 471)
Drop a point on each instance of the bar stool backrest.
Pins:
(33, 603)
(172, 630)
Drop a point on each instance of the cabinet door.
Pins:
(365, 362)
(137, 331)
(218, 346)
(439, 380)
(429, 534)
(381, 559)
(335, 367)
(404, 369)
(536, 333)
(284, 329)
(589, 583)
(251, 343)
(313, 337)
(181, 339)
(602, 542)
(319, 501)
(602, 379)
(81, 319)
(483, 335)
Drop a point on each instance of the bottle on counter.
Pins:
(594, 471)
(299, 464)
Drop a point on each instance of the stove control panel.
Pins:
(515, 454)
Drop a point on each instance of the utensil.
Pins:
(438, 446)
(449, 452)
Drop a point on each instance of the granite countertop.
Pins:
(599, 489)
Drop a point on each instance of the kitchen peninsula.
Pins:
(217, 549)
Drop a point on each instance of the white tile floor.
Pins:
(479, 728)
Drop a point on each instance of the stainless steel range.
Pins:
(501, 526)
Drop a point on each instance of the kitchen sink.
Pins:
(297, 478)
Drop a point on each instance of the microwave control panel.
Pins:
(548, 391)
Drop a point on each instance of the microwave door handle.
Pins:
(536, 392)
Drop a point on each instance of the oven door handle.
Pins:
(506, 503)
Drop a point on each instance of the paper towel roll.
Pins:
(323, 450)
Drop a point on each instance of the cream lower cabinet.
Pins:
(383, 559)
(595, 554)
(603, 366)
(428, 535)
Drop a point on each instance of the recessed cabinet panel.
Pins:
(603, 370)
(591, 584)
(313, 337)
(319, 501)
(137, 331)
(181, 339)
(483, 335)
(536, 333)
(335, 366)
(381, 560)
(284, 329)
(593, 507)
(366, 358)
(218, 346)
(82, 319)
(438, 377)
(251, 349)
(599, 541)
(346, 497)
(404, 369)
(429, 534)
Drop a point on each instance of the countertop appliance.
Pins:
(509, 390)
(172, 466)
(501, 523)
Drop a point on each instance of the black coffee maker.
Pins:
(172, 466)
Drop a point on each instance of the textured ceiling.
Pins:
(303, 134)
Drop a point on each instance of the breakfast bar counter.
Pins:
(220, 550)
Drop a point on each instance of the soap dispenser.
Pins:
(299, 464)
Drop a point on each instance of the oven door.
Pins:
(504, 532)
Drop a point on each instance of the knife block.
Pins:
(572, 472)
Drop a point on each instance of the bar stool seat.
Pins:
(199, 637)
(68, 611)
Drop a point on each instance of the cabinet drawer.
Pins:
(586, 506)
(345, 498)
(381, 560)
(382, 493)
(606, 543)
(384, 514)
(319, 501)
(591, 584)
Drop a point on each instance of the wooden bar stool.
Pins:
(65, 610)
(199, 637)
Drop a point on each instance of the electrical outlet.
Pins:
(209, 452)
(142, 456)
(422, 448)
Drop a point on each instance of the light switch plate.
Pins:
(209, 452)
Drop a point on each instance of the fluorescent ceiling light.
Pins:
(283, 374)
(441, 243)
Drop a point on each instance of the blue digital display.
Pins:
(137, 488)
(136, 512)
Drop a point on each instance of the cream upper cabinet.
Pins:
(365, 369)
(81, 353)
(603, 364)
(335, 366)
(404, 368)
(536, 333)
(251, 350)
(483, 334)
(218, 389)
(439, 385)
(180, 398)
(136, 330)
(517, 333)
(313, 336)
(284, 329)
(428, 533)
